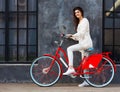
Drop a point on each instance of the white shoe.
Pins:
(83, 84)
(69, 71)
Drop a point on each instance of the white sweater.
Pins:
(83, 34)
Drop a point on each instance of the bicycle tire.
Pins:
(102, 76)
(38, 74)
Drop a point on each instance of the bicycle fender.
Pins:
(106, 55)
(114, 65)
(92, 61)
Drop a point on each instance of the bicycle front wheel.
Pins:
(102, 76)
(42, 74)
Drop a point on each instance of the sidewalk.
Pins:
(30, 87)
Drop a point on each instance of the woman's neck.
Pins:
(80, 19)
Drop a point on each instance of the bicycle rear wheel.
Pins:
(41, 74)
(102, 76)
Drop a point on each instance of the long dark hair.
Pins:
(76, 20)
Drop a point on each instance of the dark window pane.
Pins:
(22, 53)
(22, 5)
(117, 54)
(108, 4)
(117, 23)
(13, 21)
(117, 9)
(108, 48)
(117, 15)
(2, 36)
(13, 5)
(2, 53)
(12, 53)
(2, 5)
(108, 23)
(32, 37)
(22, 37)
(32, 21)
(108, 37)
(2, 20)
(13, 37)
(32, 52)
(22, 20)
(32, 5)
(117, 37)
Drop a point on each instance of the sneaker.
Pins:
(69, 71)
(83, 84)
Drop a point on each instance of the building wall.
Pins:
(54, 16)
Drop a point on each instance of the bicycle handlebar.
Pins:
(62, 40)
(63, 35)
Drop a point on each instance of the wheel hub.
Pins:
(46, 70)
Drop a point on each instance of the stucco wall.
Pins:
(54, 15)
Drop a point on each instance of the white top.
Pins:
(83, 33)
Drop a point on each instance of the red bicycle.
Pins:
(97, 69)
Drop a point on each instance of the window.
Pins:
(18, 31)
(111, 27)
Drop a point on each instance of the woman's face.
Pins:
(78, 14)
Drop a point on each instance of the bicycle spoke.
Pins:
(42, 74)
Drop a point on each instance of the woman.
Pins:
(82, 36)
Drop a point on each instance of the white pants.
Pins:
(71, 49)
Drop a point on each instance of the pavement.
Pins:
(31, 87)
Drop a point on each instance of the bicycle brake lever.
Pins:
(56, 42)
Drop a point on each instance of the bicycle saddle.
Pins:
(89, 49)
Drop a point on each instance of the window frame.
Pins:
(110, 47)
(7, 29)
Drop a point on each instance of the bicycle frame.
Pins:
(91, 66)
(88, 62)
(58, 58)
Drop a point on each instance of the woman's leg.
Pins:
(70, 51)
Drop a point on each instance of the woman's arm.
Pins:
(81, 30)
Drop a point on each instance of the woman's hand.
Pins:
(68, 35)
